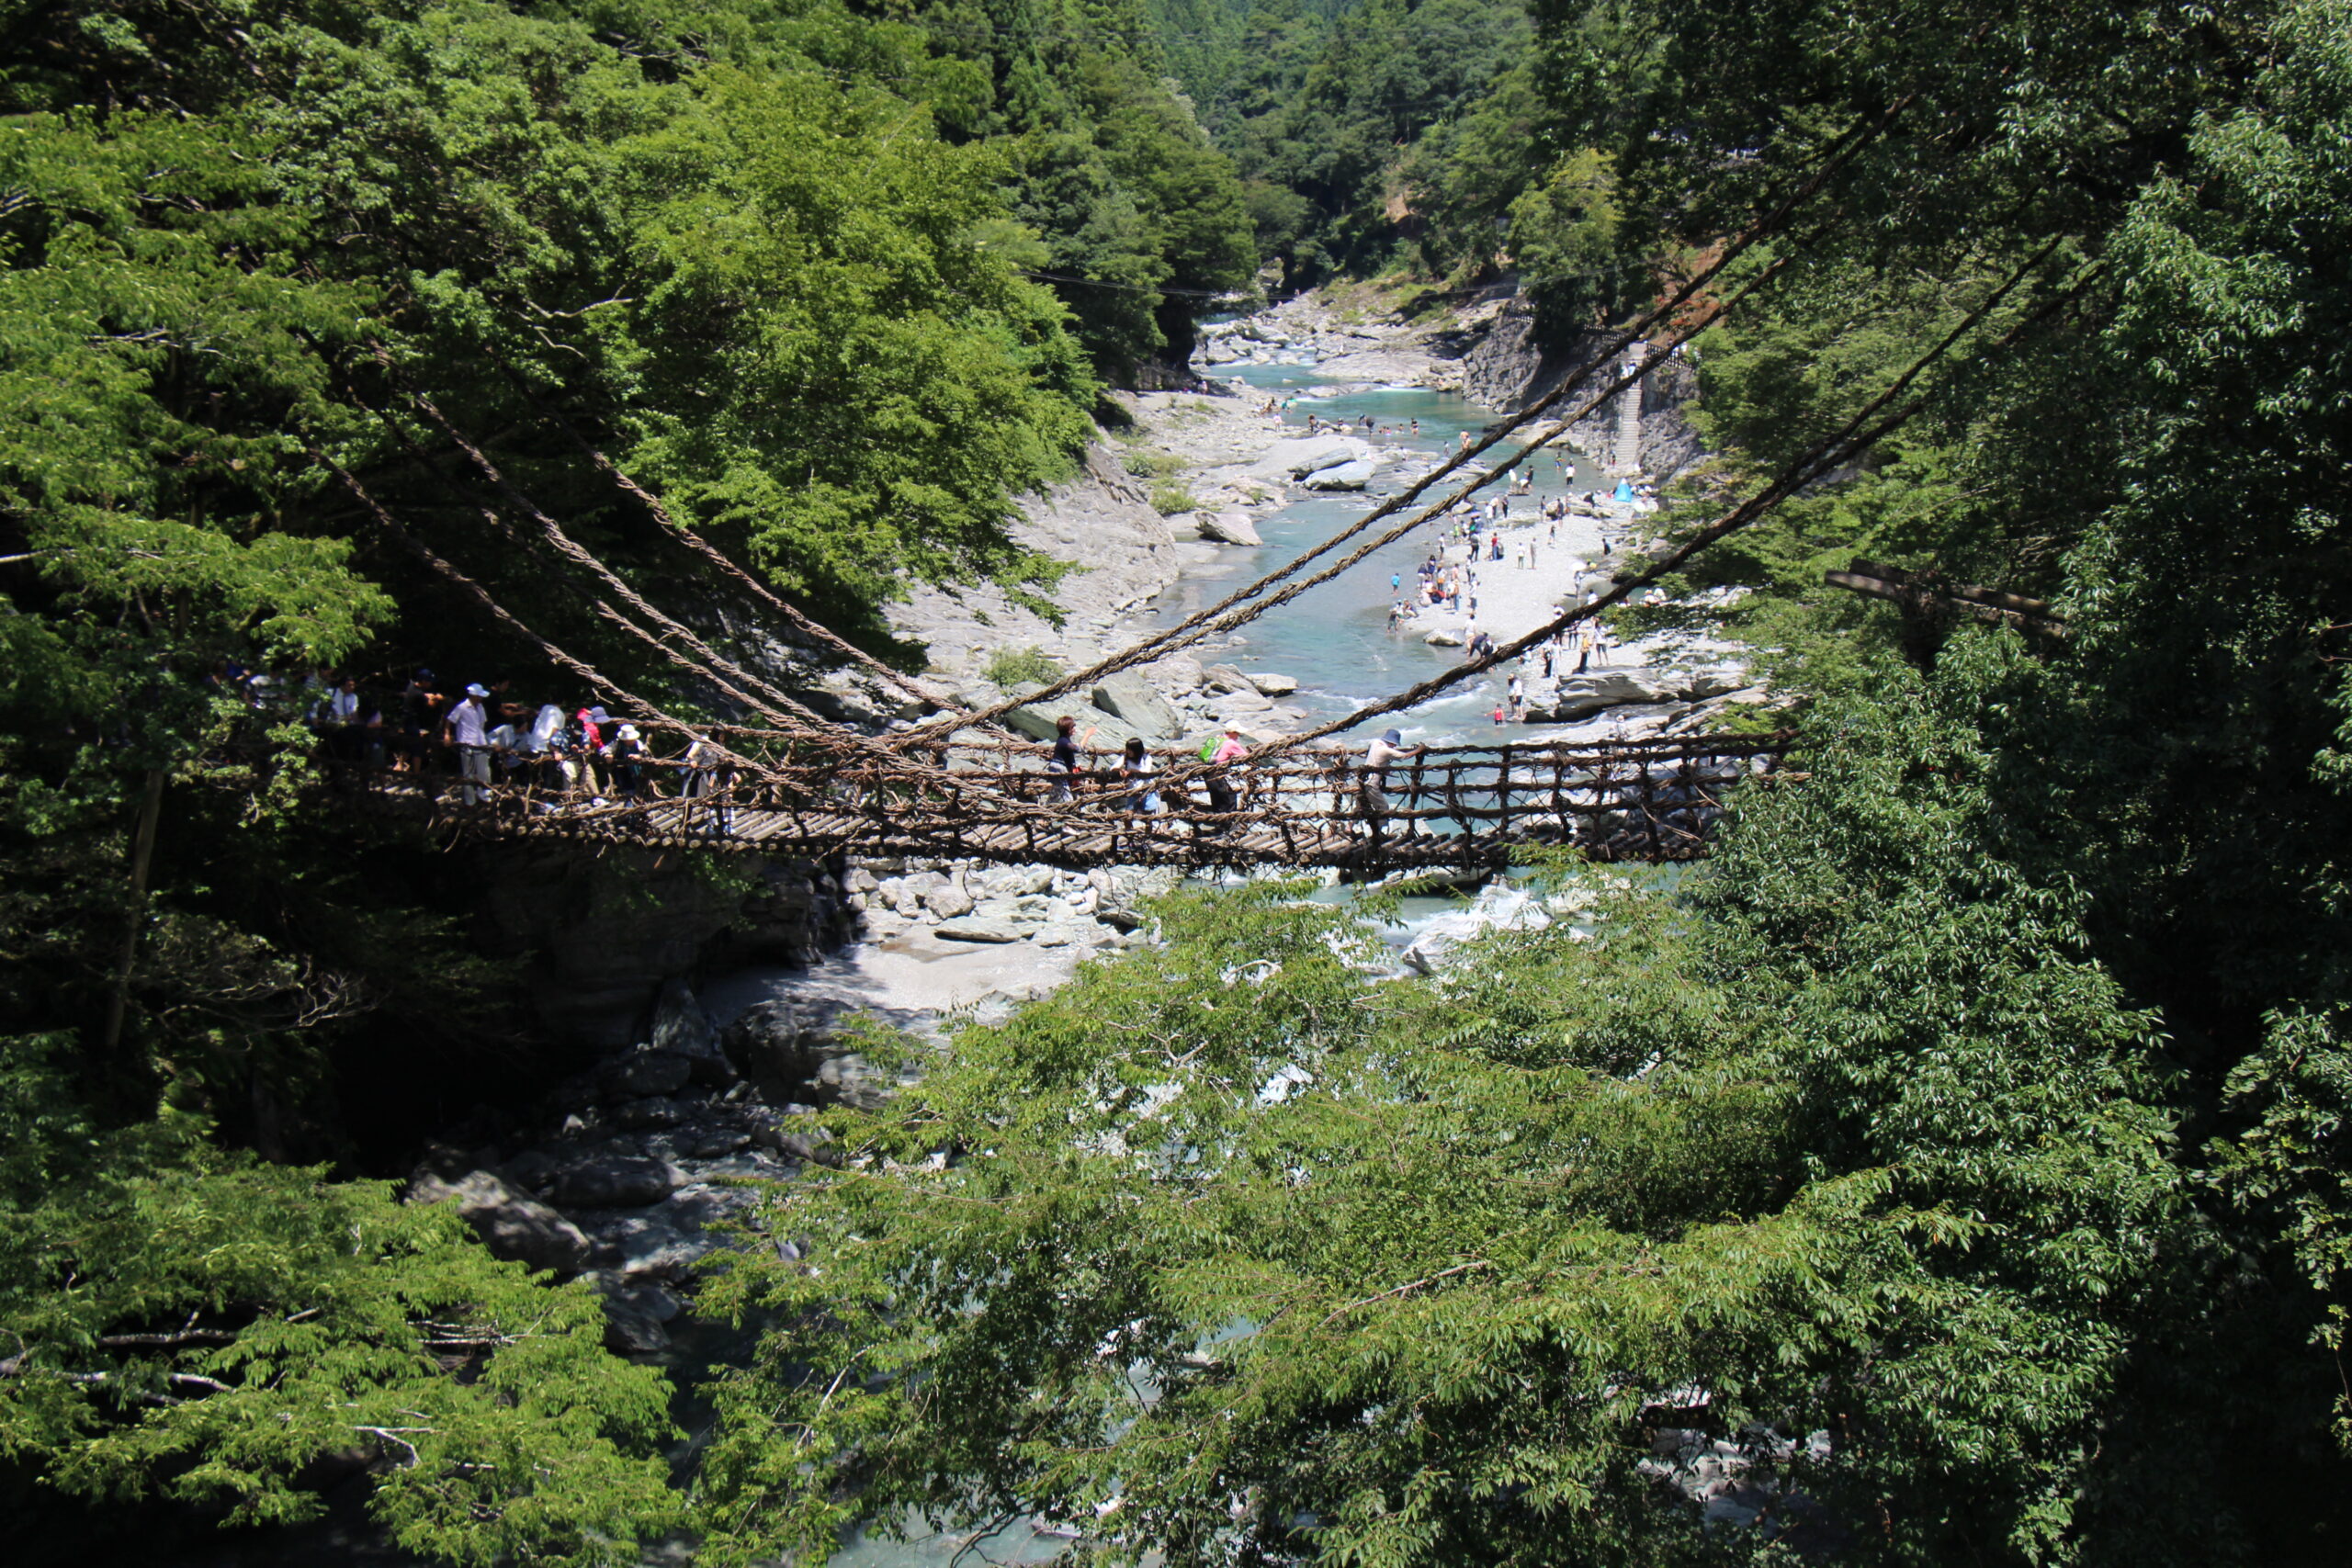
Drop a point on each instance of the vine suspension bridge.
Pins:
(1640, 800)
(956, 785)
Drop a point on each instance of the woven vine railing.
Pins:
(1633, 800)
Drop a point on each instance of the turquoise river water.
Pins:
(1334, 638)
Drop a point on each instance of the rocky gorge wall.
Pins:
(600, 934)
(1505, 361)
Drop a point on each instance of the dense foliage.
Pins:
(1968, 1140)
(1407, 138)
(773, 260)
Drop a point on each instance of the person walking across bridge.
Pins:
(1136, 770)
(1062, 765)
(1226, 752)
(699, 781)
(466, 727)
(629, 762)
(1377, 759)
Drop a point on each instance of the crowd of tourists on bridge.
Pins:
(467, 744)
(479, 735)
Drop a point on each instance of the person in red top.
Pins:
(1229, 749)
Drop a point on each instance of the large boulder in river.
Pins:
(645, 1071)
(1497, 908)
(980, 927)
(949, 900)
(1581, 697)
(1178, 672)
(1701, 684)
(1130, 697)
(1343, 475)
(512, 1226)
(1227, 527)
(1301, 456)
(1037, 720)
(793, 1048)
(599, 1178)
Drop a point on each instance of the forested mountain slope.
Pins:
(1386, 137)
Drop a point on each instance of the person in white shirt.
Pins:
(1136, 769)
(466, 728)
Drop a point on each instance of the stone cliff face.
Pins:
(1101, 519)
(600, 933)
(1506, 365)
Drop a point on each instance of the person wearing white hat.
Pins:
(467, 728)
(629, 762)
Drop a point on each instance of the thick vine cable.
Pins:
(816, 632)
(796, 723)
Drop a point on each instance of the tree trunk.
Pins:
(142, 854)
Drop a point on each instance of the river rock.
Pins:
(949, 900)
(980, 927)
(1227, 527)
(647, 1071)
(1016, 881)
(1300, 456)
(1130, 697)
(1497, 908)
(773, 1042)
(513, 1226)
(683, 1028)
(1701, 684)
(1345, 476)
(1270, 684)
(653, 1111)
(651, 1247)
(1039, 720)
(794, 1049)
(1580, 696)
(633, 1322)
(1225, 678)
(602, 1180)
(1178, 672)
(1240, 705)
(906, 893)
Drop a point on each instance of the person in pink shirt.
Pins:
(1229, 749)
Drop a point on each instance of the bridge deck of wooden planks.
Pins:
(1652, 800)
